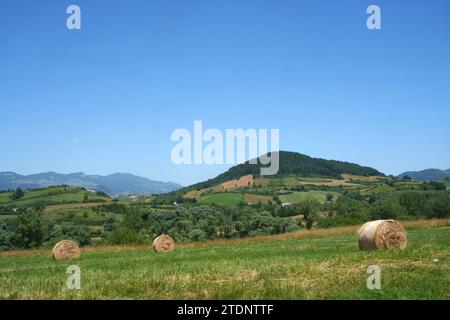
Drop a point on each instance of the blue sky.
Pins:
(106, 98)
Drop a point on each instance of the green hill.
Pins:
(427, 175)
(57, 195)
(292, 163)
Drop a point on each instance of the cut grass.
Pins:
(225, 198)
(326, 265)
(255, 199)
(297, 197)
(59, 207)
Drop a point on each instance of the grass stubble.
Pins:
(318, 264)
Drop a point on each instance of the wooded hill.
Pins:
(293, 163)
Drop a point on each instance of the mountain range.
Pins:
(117, 184)
(427, 175)
(123, 184)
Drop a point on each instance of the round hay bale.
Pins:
(163, 244)
(382, 234)
(66, 250)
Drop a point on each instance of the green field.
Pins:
(222, 198)
(81, 217)
(283, 267)
(50, 196)
(294, 180)
(297, 197)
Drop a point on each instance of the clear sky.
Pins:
(106, 98)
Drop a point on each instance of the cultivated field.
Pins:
(320, 264)
(222, 198)
(298, 197)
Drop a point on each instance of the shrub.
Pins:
(17, 194)
(125, 235)
(30, 229)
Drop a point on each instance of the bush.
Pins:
(30, 229)
(7, 235)
(439, 205)
(386, 208)
(345, 206)
(125, 235)
(69, 231)
(17, 194)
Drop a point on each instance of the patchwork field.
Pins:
(222, 198)
(322, 264)
(59, 195)
(255, 199)
(297, 197)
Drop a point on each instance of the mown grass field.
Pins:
(255, 199)
(297, 197)
(321, 264)
(225, 198)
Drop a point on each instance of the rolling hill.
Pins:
(116, 184)
(292, 163)
(427, 175)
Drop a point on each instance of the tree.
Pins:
(30, 229)
(8, 235)
(414, 202)
(124, 235)
(17, 194)
(102, 194)
(440, 205)
(109, 224)
(129, 230)
(387, 208)
(277, 199)
(406, 178)
(310, 210)
(330, 197)
(80, 234)
(440, 186)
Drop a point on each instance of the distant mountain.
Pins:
(427, 175)
(117, 184)
(297, 164)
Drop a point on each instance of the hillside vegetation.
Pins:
(57, 195)
(292, 163)
(259, 206)
(427, 175)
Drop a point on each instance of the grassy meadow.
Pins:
(297, 197)
(224, 198)
(318, 264)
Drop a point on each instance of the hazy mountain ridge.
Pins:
(116, 184)
(427, 175)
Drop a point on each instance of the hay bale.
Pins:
(163, 244)
(382, 234)
(66, 250)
